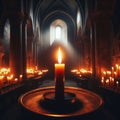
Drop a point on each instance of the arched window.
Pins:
(58, 32)
(79, 20)
(6, 44)
(7, 32)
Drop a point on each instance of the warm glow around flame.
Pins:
(59, 56)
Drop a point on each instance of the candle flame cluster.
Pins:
(111, 78)
(5, 72)
(35, 71)
(7, 78)
(80, 72)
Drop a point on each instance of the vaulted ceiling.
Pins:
(46, 8)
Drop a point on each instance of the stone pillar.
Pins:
(29, 51)
(37, 49)
(103, 39)
(93, 50)
(16, 45)
(18, 48)
(1, 61)
(102, 35)
(34, 53)
(2, 51)
(24, 48)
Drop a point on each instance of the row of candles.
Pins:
(80, 72)
(111, 78)
(6, 78)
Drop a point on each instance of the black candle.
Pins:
(59, 78)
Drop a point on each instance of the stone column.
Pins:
(29, 50)
(93, 50)
(103, 37)
(24, 48)
(34, 53)
(37, 49)
(2, 51)
(16, 45)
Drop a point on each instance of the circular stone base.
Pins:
(67, 105)
(86, 102)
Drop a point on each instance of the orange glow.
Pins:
(30, 71)
(45, 70)
(104, 73)
(114, 72)
(116, 65)
(107, 81)
(81, 71)
(102, 81)
(16, 79)
(35, 71)
(102, 78)
(112, 79)
(117, 82)
(74, 70)
(7, 78)
(5, 74)
(59, 56)
(108, 72)
(40, 73)
(1, 77)
(21, 76)
(112, 68)
(4, 71)
(78, 72)
(10, 77)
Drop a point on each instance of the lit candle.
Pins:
(107, 82)
(112, 82)
(59, 78)
(117, 70)
(102, 80)
(117, 83)
(112, 72)
(20, 77)
(115, 75)
(105, 74)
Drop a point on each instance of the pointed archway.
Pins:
(58, 32)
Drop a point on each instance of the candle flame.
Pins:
(59, 56)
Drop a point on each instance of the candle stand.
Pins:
(66, 104)
(77, 102)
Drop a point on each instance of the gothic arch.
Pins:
(45, 28)
(63, 27)
(6, 43)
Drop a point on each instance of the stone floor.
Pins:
(50, 82)
(14, 111)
